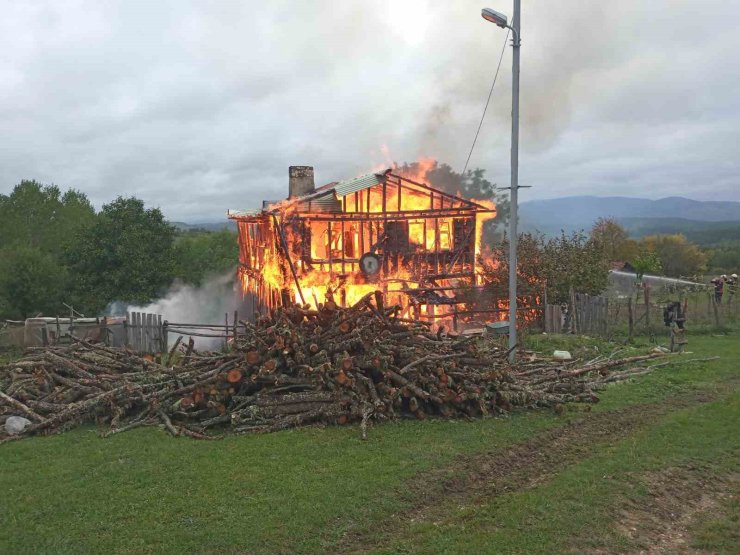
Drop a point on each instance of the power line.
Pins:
(500, 59)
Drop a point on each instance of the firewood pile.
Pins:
(292, 368)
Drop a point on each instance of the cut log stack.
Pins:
(294, 367)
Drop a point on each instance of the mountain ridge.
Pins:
(580, 212)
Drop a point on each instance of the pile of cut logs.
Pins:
(294, 367)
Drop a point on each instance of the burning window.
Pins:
(431, 233)
(416, 232)
(352, 242)
(319, 240)
(445, 235)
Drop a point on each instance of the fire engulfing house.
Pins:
(381, 231)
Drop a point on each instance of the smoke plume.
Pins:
(204, 304)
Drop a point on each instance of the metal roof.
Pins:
(327, 202)
(243, 213)
(358, 183)
(324, 198)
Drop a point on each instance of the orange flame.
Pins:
(332, 269)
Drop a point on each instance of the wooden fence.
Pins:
(145, 333)
(142, 332)
(585, 314)
(636, 314)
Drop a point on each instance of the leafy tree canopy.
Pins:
(127, 254)
(556, 265)
(41, 216)
(613, 239)
(31, 282)
(678, 257)
(646, 262)
(201, 253)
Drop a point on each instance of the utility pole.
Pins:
(500, 19)
(513, 236)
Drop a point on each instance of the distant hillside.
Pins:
(574, 213)
(205, 226)
(703, 233)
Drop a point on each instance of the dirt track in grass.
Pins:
(677, 498)
(481, 477)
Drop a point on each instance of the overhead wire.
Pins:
(488, 100)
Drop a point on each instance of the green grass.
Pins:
(719, 532)
(299, 491)
(573, 510)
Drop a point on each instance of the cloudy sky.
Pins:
(201, 106)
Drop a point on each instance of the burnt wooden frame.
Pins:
(458, 262)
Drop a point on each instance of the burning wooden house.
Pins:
(381, 231)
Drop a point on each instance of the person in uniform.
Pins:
(731, 287)
(719, 285)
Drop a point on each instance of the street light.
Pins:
(500, 19)
(494, 17)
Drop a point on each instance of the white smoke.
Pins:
(208, 303)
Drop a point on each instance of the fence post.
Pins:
(150, 333)
(716, 313)
(138, 331)
(132, 331)
(127, 330)
(630, 317)
(104, 330)
(152, 326)
(710, 301)
(574, 310)
(162, 335)
(647, 307)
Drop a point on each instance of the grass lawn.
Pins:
(413, 487)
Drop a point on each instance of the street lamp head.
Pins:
(494, 17)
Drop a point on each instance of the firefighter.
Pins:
(719, 285)
(731, 287)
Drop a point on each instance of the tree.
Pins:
(127, 255)
(530, 270)
(678, 257)
(36, 224)
(613, 239)
(31, 282)
(573, 262)
(40, 216)
(559, 264)
(205, 252)
(646, 262)
(724, 259)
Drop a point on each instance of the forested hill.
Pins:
(573, 213)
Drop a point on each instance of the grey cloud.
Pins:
(201, 106)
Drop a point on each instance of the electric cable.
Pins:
(488, 100)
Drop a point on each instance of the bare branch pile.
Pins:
(292, 368)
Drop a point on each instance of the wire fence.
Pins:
(640, 313)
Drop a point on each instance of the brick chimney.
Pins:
(300, 181)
